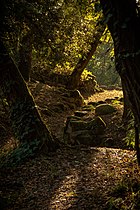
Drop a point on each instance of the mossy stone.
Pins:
(88, 107)
(104, 109)
(83, 132)
(80, 113)
(97, 126)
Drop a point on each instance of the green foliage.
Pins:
(116, 102)
(19, 154)
(23, 123)
(120, 189)
(66, 38)
(130, 137)
(25, 126)
(86, 75)
(126, 195)
(61, 31)
(102, 64)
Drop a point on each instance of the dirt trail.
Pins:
(71, 179)
(104, 95)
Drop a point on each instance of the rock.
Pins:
(97, 126)
(73, 97)
(104, 109)
(83, 137)
(80, 113)
(77, 125)
(73, 117)
(78, 98)
(78, 131)
(88, 107)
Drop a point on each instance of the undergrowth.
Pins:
(130, 134)
(126, 195)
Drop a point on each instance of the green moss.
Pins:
(104, 109)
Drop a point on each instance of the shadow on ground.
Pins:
(71, 179)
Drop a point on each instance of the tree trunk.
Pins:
(25, 56)
(81, 65)
(126, 109)
(124, 22)
(27, 124)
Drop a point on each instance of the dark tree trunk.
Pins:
(27, 124)
(126, 109)
(25, 56)
(83, 62)
(124, 23)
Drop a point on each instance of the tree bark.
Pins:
(126, 109)
(81, 65)
(25, 56)
(123, 21)
(26, 121)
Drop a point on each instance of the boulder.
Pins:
(78, 131)
(88, 107)
(97, 126)
(104, 109)
(74, 97)
(83, 137)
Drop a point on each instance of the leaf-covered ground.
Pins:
(74, 178)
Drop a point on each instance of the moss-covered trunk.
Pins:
(27, 124)
(123, 21)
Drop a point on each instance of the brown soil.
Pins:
(73, 178)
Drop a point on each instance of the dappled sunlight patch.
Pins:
(104, 95)
(66, 193)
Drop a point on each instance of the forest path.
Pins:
(101, 96)
(73, 178)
